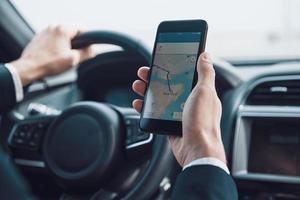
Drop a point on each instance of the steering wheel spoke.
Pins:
(135, 138)
(138, 144)
(25, 140)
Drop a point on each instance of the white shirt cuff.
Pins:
(208, 161)
(17, 82)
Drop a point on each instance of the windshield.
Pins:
(253, 29)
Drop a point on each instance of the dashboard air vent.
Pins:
(283, 92)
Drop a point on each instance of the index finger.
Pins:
(65, 30)
(143, 73)
(73, 32)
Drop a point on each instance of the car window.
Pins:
(237, 29)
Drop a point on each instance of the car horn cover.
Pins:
(82, 145)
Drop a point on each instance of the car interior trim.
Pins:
(30, 163)
(140, 143)
(147, 141)
(242, 132)
(242, 141)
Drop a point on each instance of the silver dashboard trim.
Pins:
(272, 178)
(141, 142)
(30, 163)
(242, 141)
(242, 133)
(269, 111)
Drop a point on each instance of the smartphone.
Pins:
(173, 74)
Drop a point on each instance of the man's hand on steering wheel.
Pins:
(50, 53)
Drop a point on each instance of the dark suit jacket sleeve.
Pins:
(204, 182)
(7, 90)
(12, 185)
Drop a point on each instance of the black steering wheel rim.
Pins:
(128, 43)
(161, 153)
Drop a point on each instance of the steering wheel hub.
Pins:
(82, 145)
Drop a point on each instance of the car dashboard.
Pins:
(260, 121)
(262, 116)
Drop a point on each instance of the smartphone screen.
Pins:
(172, 74)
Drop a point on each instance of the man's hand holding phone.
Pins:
(201, 135)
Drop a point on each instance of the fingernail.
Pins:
(206, 58)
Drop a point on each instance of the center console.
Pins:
(266, 148)
(267, 144)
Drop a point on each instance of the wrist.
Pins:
(204, 152)
(205, 144)
(28, 70)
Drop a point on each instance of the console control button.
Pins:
(134, 134)
(28, 134)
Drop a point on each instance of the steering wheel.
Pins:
(93, 146)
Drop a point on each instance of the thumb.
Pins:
(205, 69)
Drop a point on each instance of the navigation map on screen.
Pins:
(172, 75)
